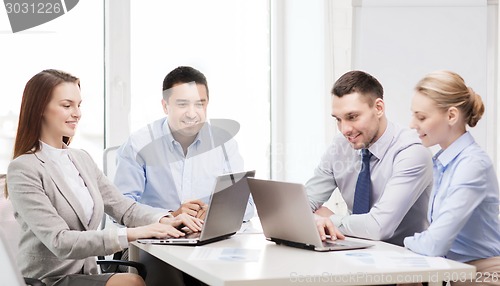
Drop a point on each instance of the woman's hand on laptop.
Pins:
(194, 208)
(327, 229)
(193, 223)
(154, 230)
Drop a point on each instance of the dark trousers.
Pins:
(161, 273)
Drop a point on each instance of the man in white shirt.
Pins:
(397, 187)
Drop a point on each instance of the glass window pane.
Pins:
(73, 43)
(227, 40)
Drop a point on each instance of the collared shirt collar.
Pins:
(444, 157)
(54, 154)
(203, 133)
(379, 148)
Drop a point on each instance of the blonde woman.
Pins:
(464, 203)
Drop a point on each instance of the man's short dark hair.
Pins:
(183, 74)
(360, 82)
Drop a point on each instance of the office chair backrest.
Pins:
(9, 236)
(109, 162)
(9, 273)
(8, 224)
(109, 169)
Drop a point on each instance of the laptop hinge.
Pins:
(292, 243)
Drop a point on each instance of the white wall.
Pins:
(399, 42)
(231, 49)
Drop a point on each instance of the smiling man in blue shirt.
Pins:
(173, 162)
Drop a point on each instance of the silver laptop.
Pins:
(286, 217)
(225, 212)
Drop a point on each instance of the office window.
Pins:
(227, 40)
(73, 43)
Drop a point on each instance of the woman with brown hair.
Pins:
(60, 195)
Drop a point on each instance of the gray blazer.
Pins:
(55, 241)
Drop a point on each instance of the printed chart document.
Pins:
(225, 254)
(393, 259)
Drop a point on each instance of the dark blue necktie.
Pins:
(363, 192)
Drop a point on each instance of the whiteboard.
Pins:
(399, 42)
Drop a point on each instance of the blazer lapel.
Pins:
(63, 187)
(98, 211)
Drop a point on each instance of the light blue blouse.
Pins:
(464, 205)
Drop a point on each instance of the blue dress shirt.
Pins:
(152, 168)
(464, 206)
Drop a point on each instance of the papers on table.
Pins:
(393, 259)
(225, 254)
